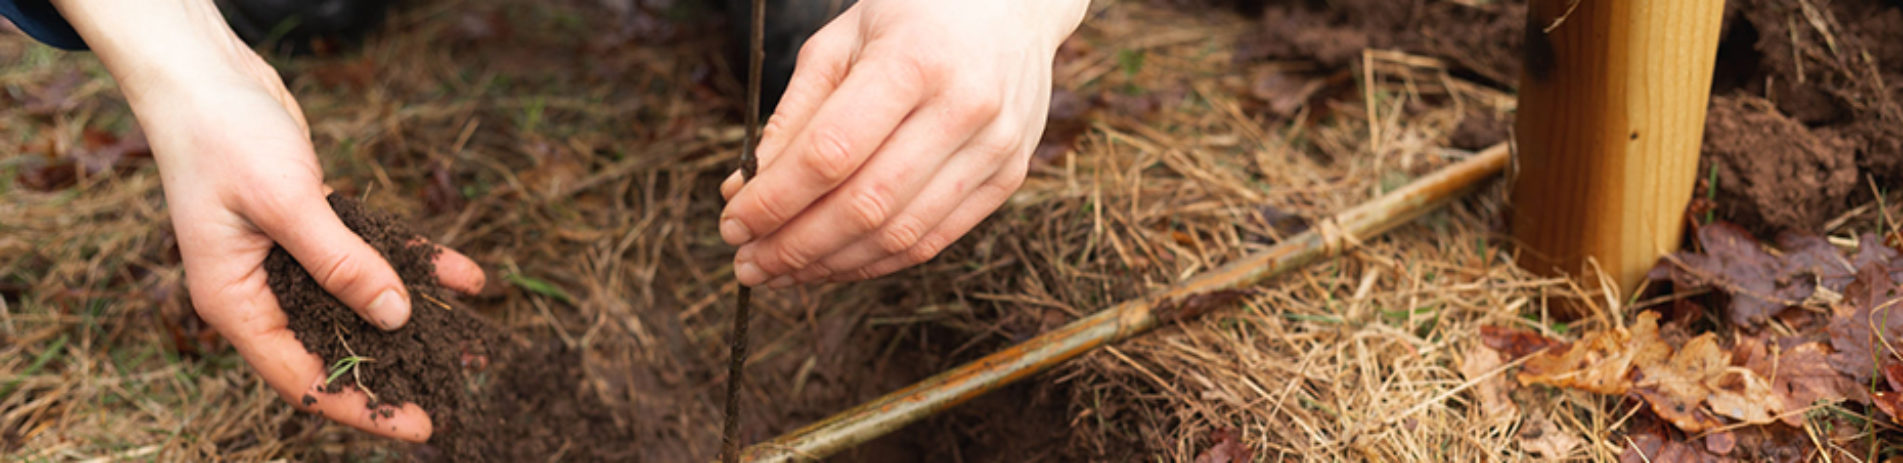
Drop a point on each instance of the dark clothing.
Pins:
(38, 19)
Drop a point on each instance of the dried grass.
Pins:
(595, 169)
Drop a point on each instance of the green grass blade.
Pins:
(539, 286)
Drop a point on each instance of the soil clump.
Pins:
(1835, 73)
(491, 397)
(1775, 171)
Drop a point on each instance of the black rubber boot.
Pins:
(788, 24)
(303, 26)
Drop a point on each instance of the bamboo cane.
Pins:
(1185, 300)
(1611, 114)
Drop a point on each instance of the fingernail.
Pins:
(780, 282)
(389, 311)
(748, 273)
(734, 232)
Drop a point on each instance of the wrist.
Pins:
(1063, 17)
(158, 48)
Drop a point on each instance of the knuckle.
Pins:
(995, 149)
(337, 272)
(829, 158)
(870, 206)
(815, 49)
(900, 235)
(818, 270)
(776, 126)
(975, 107)
(791, 256)
(1006, 182)
(926, 248)
(910, 72)
(770, 208)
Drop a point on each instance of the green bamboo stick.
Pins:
(1123, 321)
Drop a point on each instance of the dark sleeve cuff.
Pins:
(38, 19)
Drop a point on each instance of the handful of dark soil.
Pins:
(490, 398)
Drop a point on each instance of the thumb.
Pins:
(341, 261)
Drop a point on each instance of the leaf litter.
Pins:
(1809, 338)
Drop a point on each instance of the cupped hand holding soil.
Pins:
(299, 353)
(241, 179)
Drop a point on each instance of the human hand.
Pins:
(904, 125)
(240, 177)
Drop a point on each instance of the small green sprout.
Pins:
(346, 365)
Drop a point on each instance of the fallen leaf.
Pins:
(41, 174)
(1874, 250)
(1676, 389)
(1653, 448)
(1601, 361)
(1721, 443)
(1863, 330)
(1891, 403)
(1760, 284)
(1740, 394)
(1228, 449)
(1814, 256)
(102, 152)
(1496, 406)
(1539, 436)
(1650, 440)
(441, 193)
(1285, 92)
(57, 96)
(1065, 122)
(1690, 386)
(1285, 223)
(1801, 375)
(62, 165)
(1515, 343)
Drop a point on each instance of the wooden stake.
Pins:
(1611, 114)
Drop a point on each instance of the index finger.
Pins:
(849, 126)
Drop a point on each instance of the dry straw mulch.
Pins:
(593, 171)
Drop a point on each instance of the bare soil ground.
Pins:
(574, 147)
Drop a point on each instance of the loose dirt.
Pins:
(1773, 170)
(1834, 72)
(1831, 73)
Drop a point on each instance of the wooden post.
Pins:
(1611, 114)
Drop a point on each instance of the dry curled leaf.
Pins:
(1654, 448)
(1800, 375)
(1496, 406)
(1539, 436)
(1601, 361)
(1515, 343)
(1228, 449)
(1690, 386)
(1676, 389)
(1759, 282)
(1867, 331)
